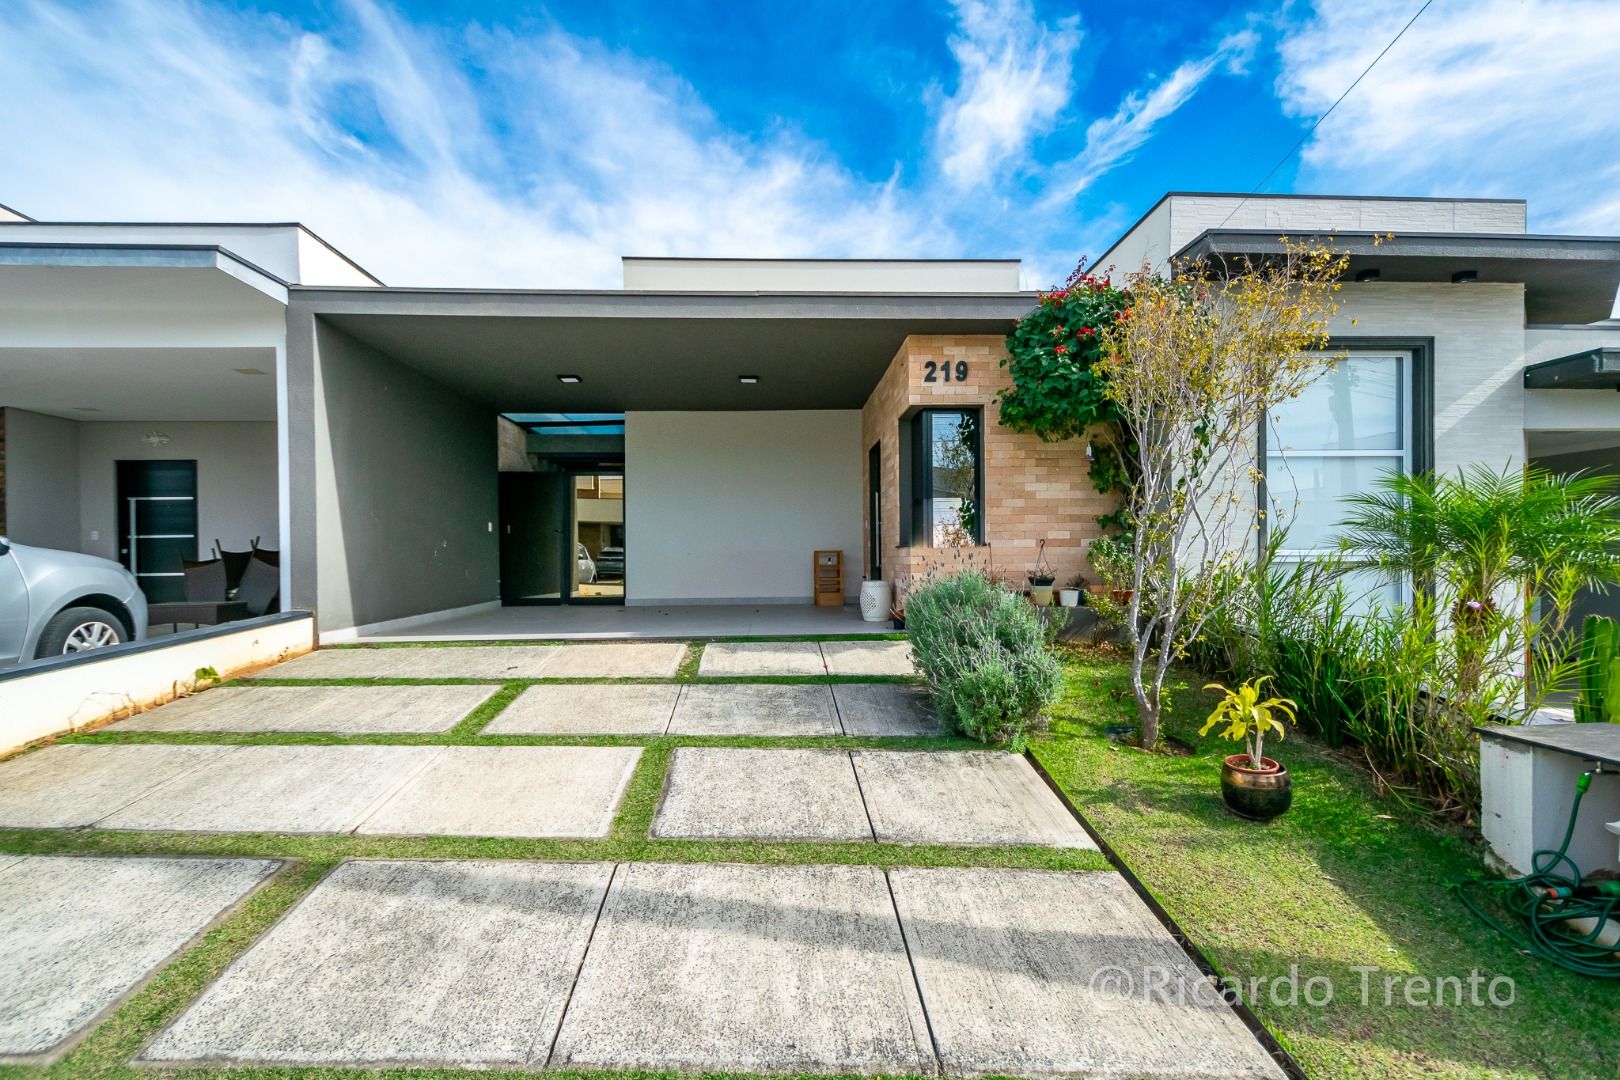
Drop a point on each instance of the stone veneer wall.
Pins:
(1033, 490)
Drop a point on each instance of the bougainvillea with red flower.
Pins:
(1056, 394)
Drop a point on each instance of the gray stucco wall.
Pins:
(405, 489)
(42, 480)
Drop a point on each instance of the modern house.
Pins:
(693, 437)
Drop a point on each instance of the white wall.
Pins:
(1478, 333)
(822, 275)
(730, 505)
(42, 479)
(236, 479)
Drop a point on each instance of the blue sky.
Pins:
(507, 144)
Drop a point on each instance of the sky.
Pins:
(507, 144)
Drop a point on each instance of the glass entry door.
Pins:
(597, 570)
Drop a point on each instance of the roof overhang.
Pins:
(647, 351)
(1594, 369)
(144, 256)
(1567, 279)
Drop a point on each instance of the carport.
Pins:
(742, 443)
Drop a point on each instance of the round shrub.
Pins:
(983, 651)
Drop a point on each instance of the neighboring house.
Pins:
(417, 451)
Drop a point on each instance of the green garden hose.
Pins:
(1548, 897)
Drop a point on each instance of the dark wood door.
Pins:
(157, 524)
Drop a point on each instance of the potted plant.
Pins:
(1041, 578)
(1069, 595)
(1252, 785)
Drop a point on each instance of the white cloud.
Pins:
(1111, 140)
(150, 109)
(1014, 83)
(1489, 98)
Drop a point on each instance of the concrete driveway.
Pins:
(782, 946)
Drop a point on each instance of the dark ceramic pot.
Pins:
(1256, 794)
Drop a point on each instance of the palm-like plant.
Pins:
(1473, 535)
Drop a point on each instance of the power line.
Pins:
(1318, 123)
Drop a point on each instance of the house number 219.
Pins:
(945, 371)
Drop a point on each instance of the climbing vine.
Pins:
(1056, 391)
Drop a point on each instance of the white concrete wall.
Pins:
(287, 251)
(822, 275)
(1478, 333)
(730, 505)
(1179, 220)
(55, 697)
(42, 480)
(236, 479)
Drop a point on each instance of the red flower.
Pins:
(1062, 350)
(1086, 331)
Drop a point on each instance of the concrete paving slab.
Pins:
(746, 968)
(511, 791)
(715, 793)
(981, 797)
(868, 657)
(875, 709)
(762, 658)
(1023, 973)
(343, 709)
(455, 963)
(78, 933)
(621, 660)
(67, 787)
(755, 709)
(588, 709)
(294, 789)
(419, 662)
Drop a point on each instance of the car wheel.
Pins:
(80, 629)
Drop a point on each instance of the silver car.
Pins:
(60, 602)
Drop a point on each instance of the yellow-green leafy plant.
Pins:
(1191, 366)
(1248, 717)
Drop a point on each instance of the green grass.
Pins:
(1344, 879)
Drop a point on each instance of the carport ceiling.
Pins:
(141, 384)
(658, 363)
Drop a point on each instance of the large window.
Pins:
(947, 483)
(1334, 440)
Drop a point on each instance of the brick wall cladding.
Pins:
(1033, 490)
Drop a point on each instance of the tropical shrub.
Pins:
(1408, 684)
(983, 650)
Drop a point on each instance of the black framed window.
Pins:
(947, 477)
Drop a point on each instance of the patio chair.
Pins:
(206, 602)
(236, 563)
(261, 584)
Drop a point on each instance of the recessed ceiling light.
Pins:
(84, 408)
(748, 380)
(1463, 277)
(1372, 273)
(250, 371)
(569, 379)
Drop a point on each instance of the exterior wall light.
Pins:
(569, 379)
(1372, 273)
(748, 380)
(1463, 277)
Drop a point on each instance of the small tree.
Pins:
(1193, 366)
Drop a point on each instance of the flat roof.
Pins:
(1567, 279)
(1593, 369)
(638, 351)
(137, 256)
(299, 225)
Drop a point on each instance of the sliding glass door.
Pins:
(597, 569)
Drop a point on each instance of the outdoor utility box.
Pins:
(829, 579)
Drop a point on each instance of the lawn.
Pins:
(1345, 880)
